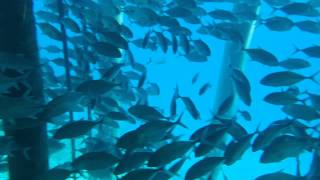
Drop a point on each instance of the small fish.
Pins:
(195, 78)
(242, 86)
(174, 44)
(173, 103)
(223, 15)
(286, 78)
(107, 49)
(115, 39)
(203, 167)
(94, 161)
(191, 107)
(225, 105)
(204, 88)
(236, 149)
(299, 8)
(278, 23)
(51, 31)
(202, 47)
(245, 114)
(71, 25)
(96, 87)
(210, 140)
(169, 152)
(75, 129)
(145, 112)
(281, 98)
(184, 43)
(143, 173)
(146, 39)
(278, 175)
(142, 80)
(178, 12)
(309, 26)
(131, 162)
(283, 147)
(119, 116)
(312, 51)
(300, 111)
(294, 63)
(163, 42)
(315, 100)
(274, 130)
(262, 56)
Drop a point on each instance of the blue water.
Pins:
(169, 70)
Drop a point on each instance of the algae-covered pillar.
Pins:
(17, 36)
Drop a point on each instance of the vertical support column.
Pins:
(235, 57)
(17, 36)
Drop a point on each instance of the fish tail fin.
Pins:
(313, 77)
(274, 10)
(260, 21)
(304, 100)
(257, 131)
(179, 121)
(296, 50)
(176, 92)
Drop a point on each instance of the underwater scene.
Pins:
(160, 89)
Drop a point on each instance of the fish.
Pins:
(298, 8)
(174, 43)
(278, 23)
(242, 86)
(294, 63)
(274, 130)
(96, 87)
(286, 78)
(301, 111)
(210, 140)
(94, 161)
(312, 51)
(169, 152)
(283, 147)
(223, 15)
(146, 39)
(225, 105)
(278, 175)
(191, 107)
(195, 78)
(75, 129)
(143, 173)
(162, 40)
(262, 56)
(282, 98)
(71, 25)
(70, 101)
(246, 115)
(115, 39)
(204, 88)
(203, 167)
(131, 162)
(145, 112)
(107, 49)
(308, 26)
(236, 149)
(51, 31)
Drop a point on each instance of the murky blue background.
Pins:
(167, 70)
